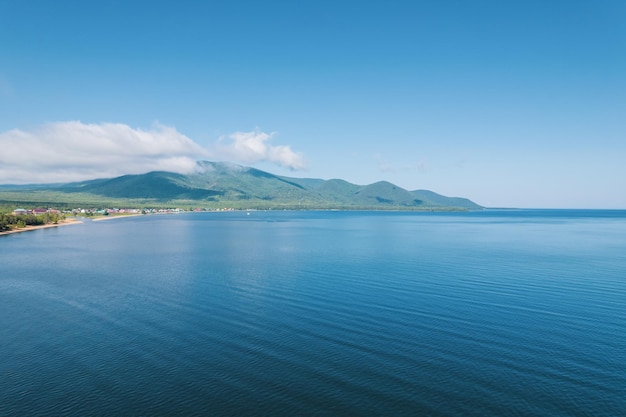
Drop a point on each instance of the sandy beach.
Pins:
(65, 222)
(118, 216)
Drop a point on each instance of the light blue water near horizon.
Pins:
(497, 312)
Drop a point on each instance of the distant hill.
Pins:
(435, 198)
(232, 185)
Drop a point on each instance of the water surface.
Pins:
(317, 313)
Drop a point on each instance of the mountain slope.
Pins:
(218, 184)
(386, 193)
(441, 200)
(153, 185)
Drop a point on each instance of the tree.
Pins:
(4, 223)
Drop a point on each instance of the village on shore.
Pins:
(111, 211)
(22, 220)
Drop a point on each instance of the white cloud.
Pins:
(72, 151)
(75, 151)
(251, 147)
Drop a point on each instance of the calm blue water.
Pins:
(317, 313)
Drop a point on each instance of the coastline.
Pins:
(122, 216)
(65, 222)
(119, 216)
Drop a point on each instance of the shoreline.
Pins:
(119, 216)
(65, 222)
(122, 216)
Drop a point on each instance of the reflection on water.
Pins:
(291, 313)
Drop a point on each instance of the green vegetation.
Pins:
(11, 221)
(219, 185)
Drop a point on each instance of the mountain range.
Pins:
(223, 184)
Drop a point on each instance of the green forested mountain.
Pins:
(435, 198)
(217, 184)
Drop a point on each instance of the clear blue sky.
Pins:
(509, 103)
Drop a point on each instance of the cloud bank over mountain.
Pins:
(251, 147)
(73, 151)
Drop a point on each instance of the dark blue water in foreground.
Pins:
(317, 313)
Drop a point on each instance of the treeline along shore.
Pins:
(21, 220)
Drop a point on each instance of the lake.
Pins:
(497, 312)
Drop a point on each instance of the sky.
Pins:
(508, 103)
